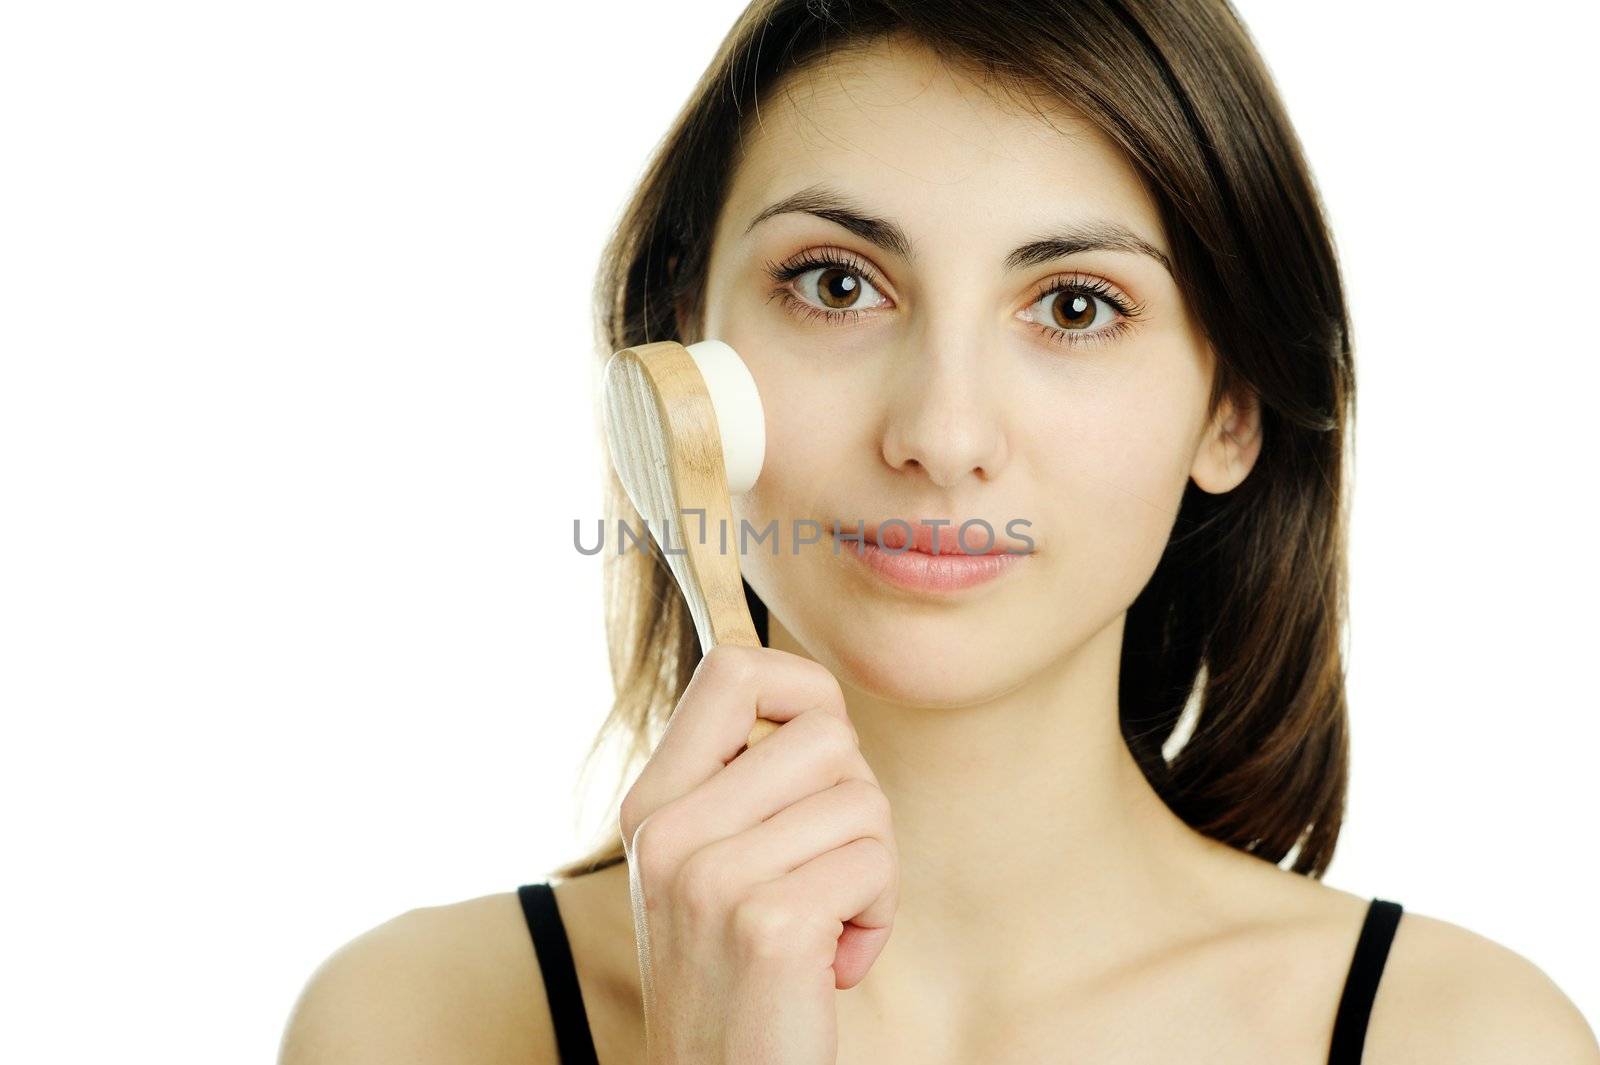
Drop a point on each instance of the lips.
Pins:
(976, 539)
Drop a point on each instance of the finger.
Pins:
(731, 686)
(827, 820)
(807, 755)
(854, 885)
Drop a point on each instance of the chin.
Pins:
(932, 662)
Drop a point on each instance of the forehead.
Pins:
(925, 142)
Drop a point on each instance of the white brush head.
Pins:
(741, 421)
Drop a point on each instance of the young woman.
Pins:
(1056, 271)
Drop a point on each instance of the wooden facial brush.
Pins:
(687, 431)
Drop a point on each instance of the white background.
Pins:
(296, 417)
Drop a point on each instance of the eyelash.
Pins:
(783, 273)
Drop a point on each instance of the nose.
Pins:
(944, 415)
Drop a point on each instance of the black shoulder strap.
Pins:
(1361, 983)
(573, 1038)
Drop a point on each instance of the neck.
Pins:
(1022, 824)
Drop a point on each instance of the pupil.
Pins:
(1075, 310)
(840, 288)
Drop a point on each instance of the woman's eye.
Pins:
(833, 288)
(837, 288)
(1075, 311)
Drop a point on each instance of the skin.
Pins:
(1049, 898)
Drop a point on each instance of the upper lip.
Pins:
(892, 534)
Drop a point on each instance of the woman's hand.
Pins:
(763, 879)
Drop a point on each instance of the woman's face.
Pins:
(936, 376)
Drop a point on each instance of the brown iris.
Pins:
(843, 287)
(1072, 310)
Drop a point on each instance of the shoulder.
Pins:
(1448, 994)
(456, 983)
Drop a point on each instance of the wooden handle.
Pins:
(668, 452)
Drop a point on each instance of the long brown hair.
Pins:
(1242, 622)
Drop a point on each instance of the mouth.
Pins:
(935, 558)
(969, 537)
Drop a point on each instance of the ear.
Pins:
(1229, 446)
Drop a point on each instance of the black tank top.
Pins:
(576, 1044)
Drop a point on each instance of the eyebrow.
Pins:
(1092, 235)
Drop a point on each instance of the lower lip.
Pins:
(934, 573)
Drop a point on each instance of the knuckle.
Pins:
(651, 848)
(883, 868)
(833, 697)
(628, 817)
(827, 679)
(835, 691)
(833, 732)
(765, 930)
(699, 884)
(879, 857)
(727, 664)
(871, 798)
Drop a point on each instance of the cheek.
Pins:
(1112, 465)
(816, 411)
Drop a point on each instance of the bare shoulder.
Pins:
(456, 983)
(1448, 994)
